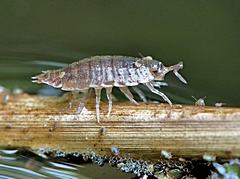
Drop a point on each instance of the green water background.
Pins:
(205, 35)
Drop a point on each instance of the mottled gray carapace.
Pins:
(108, 71)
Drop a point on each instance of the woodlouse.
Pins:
(200, 101)
(220, 104)
(108, 71)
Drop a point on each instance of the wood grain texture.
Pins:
(140, 131)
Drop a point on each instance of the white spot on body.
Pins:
(98, 72)
(144, 75)
(109, 74)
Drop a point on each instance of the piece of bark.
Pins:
(140, 132)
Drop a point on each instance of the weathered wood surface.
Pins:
(140, 131)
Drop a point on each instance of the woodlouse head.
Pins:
(50, 77)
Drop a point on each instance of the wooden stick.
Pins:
(140, 132)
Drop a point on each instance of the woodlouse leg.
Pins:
(83, 101)
(159, 84)
(109, 96)
(98, 98)
(73, 97)
(128, 94)
(151, 87)
(140, 94)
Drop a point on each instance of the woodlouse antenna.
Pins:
(194, 98)
(175, 69)
(199, 98)
(140, 54)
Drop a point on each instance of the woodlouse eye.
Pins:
(154, 67)
(160, 66)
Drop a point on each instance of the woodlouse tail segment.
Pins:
(38, 78)
(51, 77)
(175, 69)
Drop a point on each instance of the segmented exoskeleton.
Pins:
(106, 72)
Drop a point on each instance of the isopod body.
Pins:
(107, 72)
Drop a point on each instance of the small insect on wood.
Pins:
(200, 101)
(107, 72)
